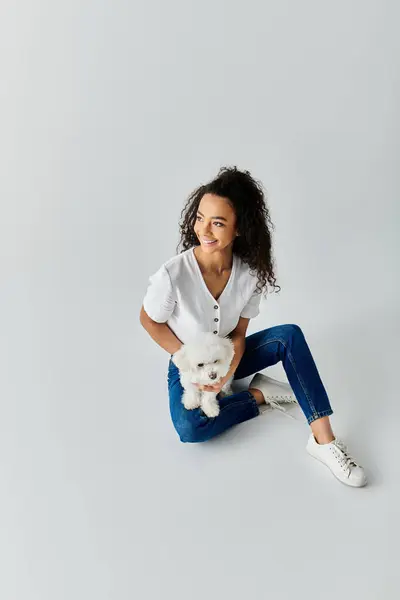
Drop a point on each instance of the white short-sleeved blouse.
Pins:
(178, 295)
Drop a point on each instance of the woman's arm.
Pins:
(238, 337)
(160, 332)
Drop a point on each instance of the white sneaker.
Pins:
(336, 456)
(275, 392)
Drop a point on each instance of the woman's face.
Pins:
(215, 221)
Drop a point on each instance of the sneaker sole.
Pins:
(348, 483)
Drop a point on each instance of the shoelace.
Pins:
(273, 401)
(346, 461)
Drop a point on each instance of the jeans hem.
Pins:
(254, 402)
(319, 414)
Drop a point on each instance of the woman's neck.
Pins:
(216, 263)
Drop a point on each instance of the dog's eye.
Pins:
(200, 365)
(215, 361)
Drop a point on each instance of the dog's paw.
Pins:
(211, 410)
(191, 401)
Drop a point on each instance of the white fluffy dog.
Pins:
(204, 360)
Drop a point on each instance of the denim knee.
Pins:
(293, 328)
(189, 433)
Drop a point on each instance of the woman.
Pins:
(215, 284)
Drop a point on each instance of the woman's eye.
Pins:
(215, 361)
(215, 222)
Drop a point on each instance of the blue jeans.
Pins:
(265, 348)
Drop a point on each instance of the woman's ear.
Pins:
(180, 359)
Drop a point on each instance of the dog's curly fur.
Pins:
(204, 360)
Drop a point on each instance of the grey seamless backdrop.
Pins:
(111, 113)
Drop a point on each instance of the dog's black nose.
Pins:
(213, 375)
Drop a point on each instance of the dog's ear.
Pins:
(181, 359)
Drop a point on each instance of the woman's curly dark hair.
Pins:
(246, 195)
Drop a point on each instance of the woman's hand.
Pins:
(216, 387)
